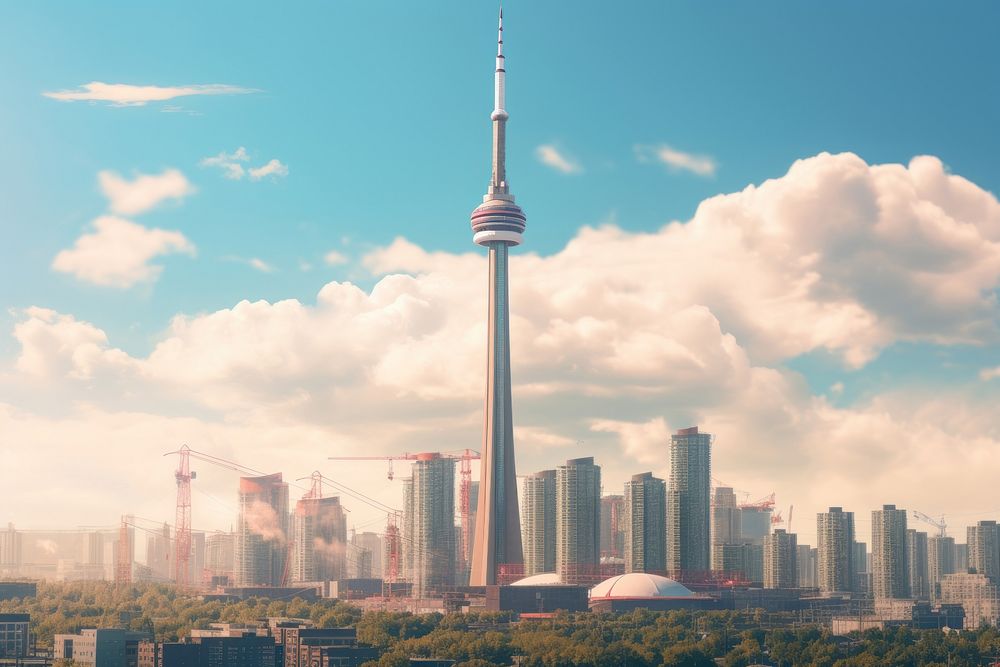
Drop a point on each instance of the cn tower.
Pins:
(498, 224)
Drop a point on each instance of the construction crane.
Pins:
(937, 523)
(465, 457)
(123, 562)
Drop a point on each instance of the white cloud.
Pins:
(260, 265)
(335, 258)
(836, 256)
(550, 156)
(702, 165)
(143, 193)
(232, 166)
(273, 168)
(118, 253)
(229, 163)
(122, 94)
(988, 374)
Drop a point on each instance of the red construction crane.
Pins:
(123, 563)
(182, 543)
(765, 503)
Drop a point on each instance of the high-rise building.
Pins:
(92, 552)
(497, 224)
(220, 555)
(940, 561)
(835, 550)
(432, 511)
(158, 548)
(10, 550)
(862, 577)
(319, 535)
(807, 565)
(977, 593)
(612, 526)
(261, 531)
(983, 541)
(407, 541)
(688, 502)
(961, 557)
(725, 523)
(371, 542)
(578, 522)
(744, 561)
(645, 524)
(781, 568)
(755, 523)
(538, 524)
(916, 553)
(890, 559)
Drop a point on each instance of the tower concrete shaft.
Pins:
(497, 224)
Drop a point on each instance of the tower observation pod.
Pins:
(498, 223)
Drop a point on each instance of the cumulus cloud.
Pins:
(335, 258)
(273, 168)
(232, 166)
(126, 95)
(989, 374)
(677, 160)
(143, 193)
(551, 156)
(836, 256)
(118, 252)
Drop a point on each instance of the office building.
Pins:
(890, 558)
(781, 560)
(106, 647)
(538, 523)
(940, 561)
(835, 550)
(612, 526)
(497, 224)
(262, 531)
(688, 503)
(725, 523)
(15, 635)
(916, 548)
(645, 524)
(319, 533)
(983, 542)
(431, 511)
(578, 522)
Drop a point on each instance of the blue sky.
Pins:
(380, 113)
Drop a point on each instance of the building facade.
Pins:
(645, 524)
(432, 523)
(578, 519)
(725, 523)
(983, 542)
(15, 635)
(940, 561)
(978, 595)
(262, 531)
(106, 647)
(538, 522)
(319, 535)
(890, 557)
(835, 550)
(612, 526)
(808, 569)
(781, 560)
(688, 503)
(916, 548)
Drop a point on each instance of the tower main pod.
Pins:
(497, 224)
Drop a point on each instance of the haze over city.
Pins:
(255, 242)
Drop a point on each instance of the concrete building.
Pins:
(688, 503)
(538, 522)
(497, 224)
(107, 647)
(978, 595)
(220, 559)
(612, 526)
(725, 523)
(578, 520)
(940, 561)
(371, 542)
(15, 635)
(835, 550)
(645, 524)
(781, 560)
(916, 553)
(319, 535)
(890, 558)
(431, 510)
(262, 531)
(983, 542)
(807, 565)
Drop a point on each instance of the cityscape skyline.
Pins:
(754, 314)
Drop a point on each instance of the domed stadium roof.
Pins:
(543, 579)
(639, 585)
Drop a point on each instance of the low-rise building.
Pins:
(105, 647)
(15, 636)
(978, 595)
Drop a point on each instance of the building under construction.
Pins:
(319, 540)
(429, 532)
(262, 531)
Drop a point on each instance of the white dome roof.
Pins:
(639, 585)
(543, 579)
